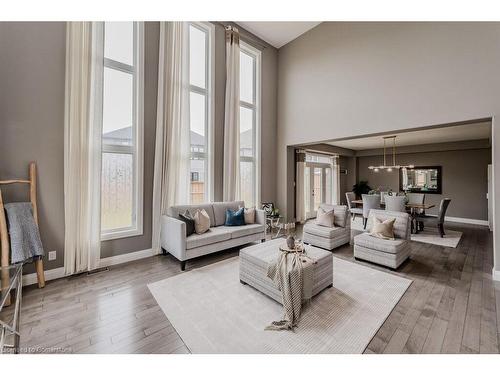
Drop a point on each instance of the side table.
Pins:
(12, 279)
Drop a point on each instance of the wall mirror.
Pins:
(421, 180)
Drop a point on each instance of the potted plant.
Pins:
(360, 188)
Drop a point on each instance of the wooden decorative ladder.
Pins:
(4, 235)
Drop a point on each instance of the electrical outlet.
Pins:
(52, 255)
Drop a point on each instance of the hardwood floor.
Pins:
(452, 306)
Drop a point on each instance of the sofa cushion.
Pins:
(383, 229)
(219, 210)
(324, 218)
(402, 224)
(339, 213)
(213, 235)
(312, 228)
(387, 246)
(190, 223)
(235, 218)
(245, 230)
(249, 215)
(201, 221)
(175, 210)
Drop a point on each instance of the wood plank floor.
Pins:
(452, 306)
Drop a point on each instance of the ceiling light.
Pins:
(389, 168)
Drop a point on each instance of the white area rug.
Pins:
(431, 235)
(214, 313)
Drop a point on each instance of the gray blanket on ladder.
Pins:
(24, 236)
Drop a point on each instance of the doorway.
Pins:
(318, 186)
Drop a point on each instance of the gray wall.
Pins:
(32, 69)
(349, 79)
(32, 120)
(466, 182)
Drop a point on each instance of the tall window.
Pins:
(200, 110)
(122, 130)
(249, 124)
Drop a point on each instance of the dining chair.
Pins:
(369, 202)
(350, 196)
(416, 198)
(383, 194)
(395, 203)
(437, 221)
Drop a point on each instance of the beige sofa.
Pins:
(219, 237)
(389, 253)
(325, 237)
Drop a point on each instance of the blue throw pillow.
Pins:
(235, 218)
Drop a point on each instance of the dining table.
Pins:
(412, 207)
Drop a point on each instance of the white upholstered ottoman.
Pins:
(255, 259)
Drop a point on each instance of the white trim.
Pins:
(55, 273)
(495, 274)
(209, 155)
(124, 258)
(58, 273)
(137, 150)
(257, 159)
(464, 220)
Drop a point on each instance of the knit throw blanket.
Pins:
(292, 273)
(25, 242)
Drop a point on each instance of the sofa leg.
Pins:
(263, 240)
(183, 265)
(163, 251)
(365, 220)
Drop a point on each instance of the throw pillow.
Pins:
(201, 221)
(235, 218)
(383, 229)
(249, 214)
(325, 218)
(188, 219)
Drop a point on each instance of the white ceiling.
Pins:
(278, 34)
(421, 137)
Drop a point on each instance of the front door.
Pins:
(318, 187)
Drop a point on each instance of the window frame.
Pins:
(256, 54)
(137, 149)
(208, 92)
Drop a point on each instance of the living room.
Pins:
(249, 187)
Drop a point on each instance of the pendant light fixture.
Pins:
(389, 168)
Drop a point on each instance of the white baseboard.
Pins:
(464, 220)
(495, 274)
(124, 258)
(57, 273)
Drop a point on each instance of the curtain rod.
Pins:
(246, 36)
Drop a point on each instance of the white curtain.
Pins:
(172, 151)
(335, 180)
(82, 146)
(300, 199)
(231, 187)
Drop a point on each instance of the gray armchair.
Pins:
(395, 203)
(350, 196)
(389, 253)
(369, 202)
(436, 221)
(326, 237)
